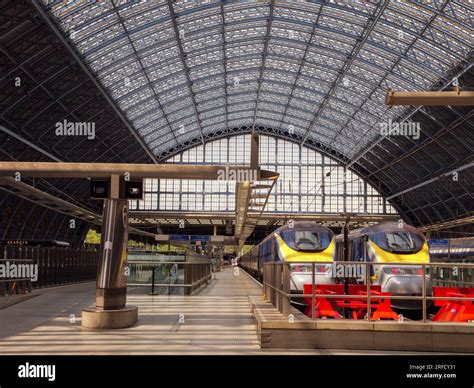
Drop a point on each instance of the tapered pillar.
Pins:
(110, 311)
(111, 290)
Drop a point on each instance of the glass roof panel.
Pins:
(322, 71)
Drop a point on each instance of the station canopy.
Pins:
(181, 73)
(317, 71)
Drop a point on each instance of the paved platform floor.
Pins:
(217, 320)
(10, 300)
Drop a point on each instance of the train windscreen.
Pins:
(306, 240)
(398, 241)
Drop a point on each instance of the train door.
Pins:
(261, 258)
(339, 250)
(359, 252)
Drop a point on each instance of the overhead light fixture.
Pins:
(99, 189)
(134, 189)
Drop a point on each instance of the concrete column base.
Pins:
(109, 319)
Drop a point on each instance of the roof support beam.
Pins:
(338, 34)
(264, 59)
(29, 143)
(43, 86)
(283, 41)
(302, 63)
(442, 131)
(448, 224)
(185, 66)
(447, 98)
(407, 117)
(371, 22)
(147, 216)
(157, 99)
(87, 71)
(463, 167)
(390, 72)
(224, 63)
(138, 171)
(446, 84)
(46, 200)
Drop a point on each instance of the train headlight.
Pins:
(396, 271)
(299, 268)
(419, 271)
(405, 271)
(318, 268)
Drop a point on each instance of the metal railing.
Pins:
(194, 257)
(55, 266)
(462, 277)
(164, 276)
(277, 287)
(153, 256)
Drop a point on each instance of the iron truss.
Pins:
(159, 77)
(41, 84)
(320, 67)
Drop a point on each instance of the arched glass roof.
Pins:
(316, 71)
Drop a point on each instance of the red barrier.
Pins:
(380, 304)
(328, 307)
(455, 310)
(444, 291)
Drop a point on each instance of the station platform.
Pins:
(216, 320)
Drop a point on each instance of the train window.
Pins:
(398, 241)
(306, 240)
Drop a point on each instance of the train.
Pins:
(298, 242)
(459, 250)
(383, 243)
(388, 243)
(455, 250)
